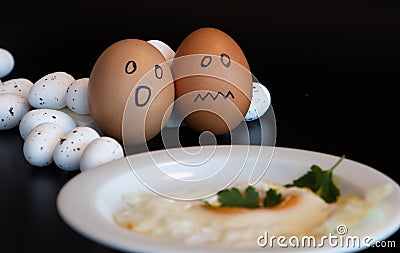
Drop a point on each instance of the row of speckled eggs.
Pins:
(49, 133)
(53, 91)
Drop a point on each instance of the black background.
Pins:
(332, 68)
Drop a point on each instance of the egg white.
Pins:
(195, 223)
(301, 213)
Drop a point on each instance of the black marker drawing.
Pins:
(225, 60)
(215, 96)
(130, 67)
(158, 71)
(142, 104)
(205, 61)
(228, 63)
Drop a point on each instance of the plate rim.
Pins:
(102, 172)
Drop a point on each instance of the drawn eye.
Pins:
(130, 67)
(226, 60)
(158, 71)
(206, 61)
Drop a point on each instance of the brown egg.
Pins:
(131, 91)
(213, 82)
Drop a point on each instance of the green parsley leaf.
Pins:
(272, 198)
(234, 198)
(249, 199)
(251, 196)
(329, 191)
(231, 197)
(321, 182)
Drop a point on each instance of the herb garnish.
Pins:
(233, 197)
(249, 199)
(320, 181)
(272, 198)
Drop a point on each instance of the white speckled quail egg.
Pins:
(35, 117)
(49, 91)
(100, 151)
(6, 62)
(12, 110)
(40, 143)
(69, 150)
(18, 86)
(260, 102)
(76, 97)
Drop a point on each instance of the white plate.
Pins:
(89, 200)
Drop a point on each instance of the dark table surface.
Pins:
(332, 69)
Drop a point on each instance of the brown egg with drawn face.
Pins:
(131, 91)
(213, 82)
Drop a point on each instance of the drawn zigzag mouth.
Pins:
(214, 95)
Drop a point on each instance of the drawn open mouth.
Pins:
(213, 95)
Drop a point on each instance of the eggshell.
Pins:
(69, 150)
(40, 143)
(213, 82)
(164, 49)
(131, 88)
(37, 116)
(100, 151)
(49, 91)
(76, 97)
(6, 62)
(18, 86)
(259, 103)
(12, 109)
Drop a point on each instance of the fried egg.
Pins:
(197, 223)
(302, 212)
